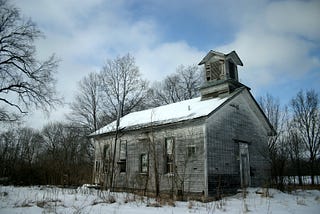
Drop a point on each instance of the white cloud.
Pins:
(274, 39)
(275, 43)
(298, 18)
(85, 34)
(158, 62)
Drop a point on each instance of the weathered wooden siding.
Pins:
(215, 166)
(237, 120)
(189, 171)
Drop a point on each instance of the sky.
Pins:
(277, 41)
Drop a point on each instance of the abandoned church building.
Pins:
(216, 142)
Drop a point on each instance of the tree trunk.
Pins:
(299, 172)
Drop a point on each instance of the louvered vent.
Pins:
(214, 70)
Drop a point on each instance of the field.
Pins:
(45, 199)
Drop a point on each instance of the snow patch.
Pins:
(89, 200)
(175, 112)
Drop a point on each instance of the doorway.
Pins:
(244, 165)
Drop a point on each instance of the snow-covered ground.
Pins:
(84, 200)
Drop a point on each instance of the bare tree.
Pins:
(306, 118)
(182, 85)
(30, 142)
(191, 80)
(123, 89)
(25, 82)
(277, 143)
(153, 148)
(66, 159)
(7, 152)
(295, 148)
(19, 149)
(86, 109)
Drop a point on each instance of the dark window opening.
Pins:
(105, 154)
(232, 70)
(122, 166)
(97, 166)
(191, 151)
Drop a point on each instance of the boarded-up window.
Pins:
(144, 163)
(123, 156)
(169, 148)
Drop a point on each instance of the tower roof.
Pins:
(232, 55)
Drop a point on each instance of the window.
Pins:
(123, 156)
(144, 163)
(191, 150)
(169, 149)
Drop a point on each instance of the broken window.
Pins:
(123, 156)
(169, 146)
(144, 163)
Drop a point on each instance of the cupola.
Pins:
(220, 73)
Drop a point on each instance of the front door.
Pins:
(244, 164)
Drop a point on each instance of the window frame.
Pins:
(191, 153)
(123, 156)
(105, 152)
(144, 163)
(169, 156)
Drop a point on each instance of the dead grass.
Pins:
(24, 204)
(4, 194)
(301, 201)
(48, 203)
(154, 204)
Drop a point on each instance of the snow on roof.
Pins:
(175, 112)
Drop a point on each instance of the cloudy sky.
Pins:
(278, 41)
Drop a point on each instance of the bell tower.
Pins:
(220, 73)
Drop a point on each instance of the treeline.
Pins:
(294, 150)
(61, 153)
(58, 154)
